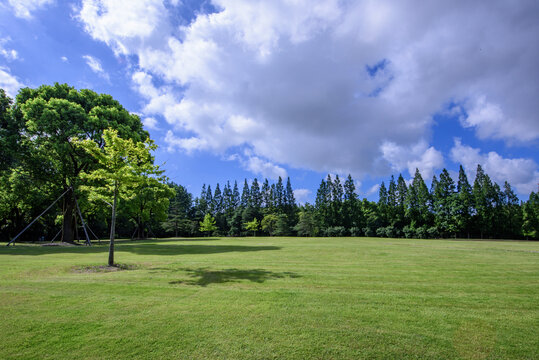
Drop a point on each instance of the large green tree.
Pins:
(50, 118)
(122, 166)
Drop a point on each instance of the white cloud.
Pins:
(9, 82)
(150, 123)
(96, 66)
(490, 121)
(123, 24)
(9, 54)
(419, 156)
(64, 59)
(302, 195)
(521, 173)
(264, 168)
(24, 8)
(290, 79)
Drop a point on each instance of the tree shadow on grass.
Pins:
(136, 248)
(204, 276)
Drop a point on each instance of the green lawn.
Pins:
(273, 298)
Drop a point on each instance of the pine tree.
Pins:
(209, 200)
(245, 195)
(256, 196)
(267, 199)
(322, 206)
(444, 204)
(217, 200)
(383, 205)
(464, 203)
(279, 195)
(351, 213)
(235, 198)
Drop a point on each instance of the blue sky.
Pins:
(243, 89)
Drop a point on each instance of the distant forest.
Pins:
(40, 159)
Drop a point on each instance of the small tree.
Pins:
(122, 165)
(253, 226)
(269, 223)
(208, 224)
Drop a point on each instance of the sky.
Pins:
(244, 89)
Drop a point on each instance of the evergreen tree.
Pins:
(245, 195)
(235, 198)
(351, 213)
(279, 195)
(482, 190)
(322, 206)
(512, 213)
(256, 196)
(464, 203)
(444, 204)
(383, 205)
(209, 201)
(217, 200)
(530, 214)
(267, 199)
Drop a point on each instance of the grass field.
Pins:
(272, 298)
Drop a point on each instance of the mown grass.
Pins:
(272, 298)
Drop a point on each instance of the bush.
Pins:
(368, 231)
(422, 232)
(336, 231)
(433, 232)
(355, 231)
(381, 232)
(409, 232)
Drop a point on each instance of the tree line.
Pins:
(41, 156)
(448, 209)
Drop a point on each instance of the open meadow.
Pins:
(272, 298)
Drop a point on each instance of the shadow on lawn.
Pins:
(204, 276)
(136, 248)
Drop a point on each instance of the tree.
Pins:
(245, 195)
(50, 118)
(306, 225)
(269, 223)
(252, 225)
(122, 165)
(208, 224)
(530, 212)
(464, 203)
(179, 210)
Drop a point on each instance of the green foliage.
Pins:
(208, 224)
(252, 225)
(125, 171)
(269, 223)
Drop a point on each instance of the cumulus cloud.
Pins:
(150, 123)
(64, 59)
(490, 121)
(96, 66)
(122, 24)
(323, 85)
(9, 82)
(418, 156)
(263, 167)
(521, 173)
(9, 54)
(24, 8)
(302, 195)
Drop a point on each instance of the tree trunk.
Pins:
(68, 228)
(113, 226)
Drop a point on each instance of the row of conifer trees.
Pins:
(481, 209)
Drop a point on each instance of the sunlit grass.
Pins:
(280, 298)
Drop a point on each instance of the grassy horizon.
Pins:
(272, 298)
